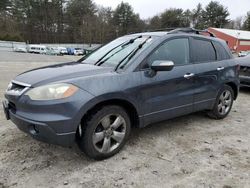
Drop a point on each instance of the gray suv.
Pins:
(133, 81)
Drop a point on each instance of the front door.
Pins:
(168, 94)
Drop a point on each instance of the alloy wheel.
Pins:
(109, 133)
(225, 102)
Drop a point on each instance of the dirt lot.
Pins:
(191, 151)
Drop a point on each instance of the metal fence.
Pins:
(84, 46)
(10, 45)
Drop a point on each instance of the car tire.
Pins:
(223, 103)
(104, 132)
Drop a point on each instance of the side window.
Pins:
(202, 51)
(176, 50)
(221, 51)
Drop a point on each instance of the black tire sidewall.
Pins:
(86, 143)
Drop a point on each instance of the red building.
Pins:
(237, 40)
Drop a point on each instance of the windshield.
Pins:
(114, 52)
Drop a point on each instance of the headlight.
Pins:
(51, 92)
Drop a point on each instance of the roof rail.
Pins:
(191, 30)
(162, 29)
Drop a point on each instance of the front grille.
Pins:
(244, 71)
(16, 87)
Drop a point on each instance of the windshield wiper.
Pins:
(107, 58)
(132, 53)
(99, 62)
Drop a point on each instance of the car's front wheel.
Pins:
(223, 103)
(104, 132)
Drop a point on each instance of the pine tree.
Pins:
(246, 24)
(215, 15)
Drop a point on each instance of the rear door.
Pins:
(209, 69)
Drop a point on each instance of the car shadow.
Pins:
(245, 90)
(174, 124)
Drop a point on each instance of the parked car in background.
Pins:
(63, 50)
(78, 51)
(22, 49)
(38, 49)
(243, 53)
(88, 51)
(53, 51)
(245, 71)
(70, 51)
(133, 81)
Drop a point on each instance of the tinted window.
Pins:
(203, 51)
(176, 50)
(221, 51)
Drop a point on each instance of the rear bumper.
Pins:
(39, 130)
(244, 81)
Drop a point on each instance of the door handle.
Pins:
(188, 75)
(220, 68)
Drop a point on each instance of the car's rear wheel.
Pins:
(104, 132)
(223, 104)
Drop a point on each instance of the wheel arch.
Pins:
(128, 106)
(111, 99)
(234, 88)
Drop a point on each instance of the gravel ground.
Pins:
(190, 151)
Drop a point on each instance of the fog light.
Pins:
(33, 129)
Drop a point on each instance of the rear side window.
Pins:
(202, 51)
(221, 51)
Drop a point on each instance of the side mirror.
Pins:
(161, 65)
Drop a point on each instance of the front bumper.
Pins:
(54, 121)
(244, 81)
(38, 130)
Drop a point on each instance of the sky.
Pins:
(149, 8)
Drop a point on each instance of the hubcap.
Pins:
(225, 102)
(109, 133)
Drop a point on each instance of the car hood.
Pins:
(60, 72)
